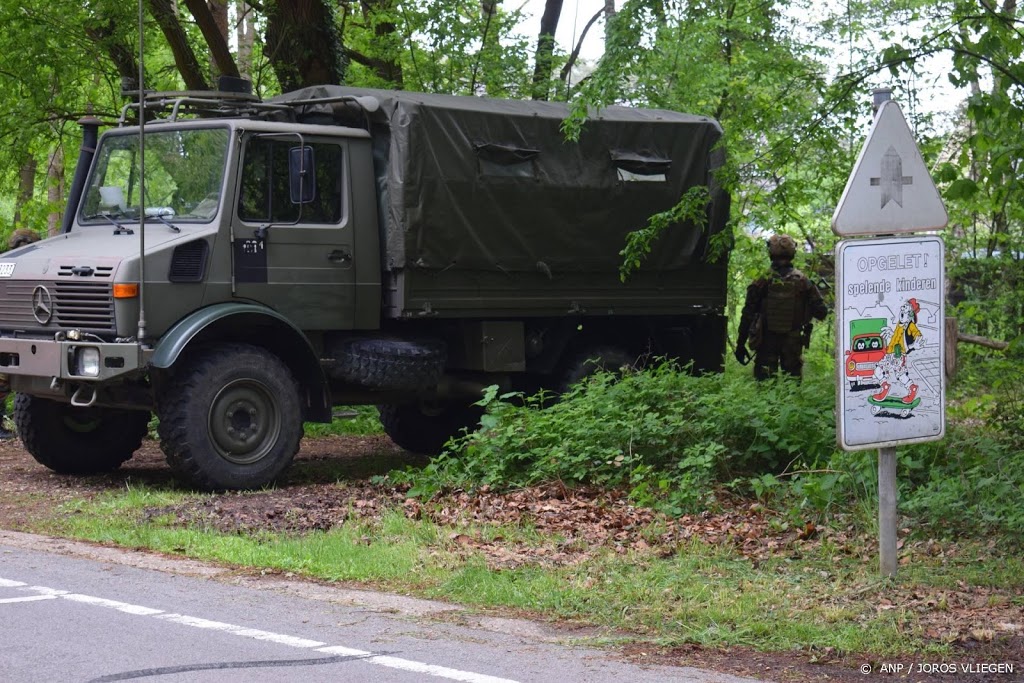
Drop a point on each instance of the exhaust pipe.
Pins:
(90, 133)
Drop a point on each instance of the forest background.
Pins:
(791, 83)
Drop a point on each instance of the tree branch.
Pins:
(184, 56)
(564, 74)
(215, 38)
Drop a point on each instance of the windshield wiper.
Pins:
(166, 222)
(121, 229)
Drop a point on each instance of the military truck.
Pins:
(264, 261)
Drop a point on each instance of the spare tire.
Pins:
(394, 364)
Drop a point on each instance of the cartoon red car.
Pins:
(866, 349)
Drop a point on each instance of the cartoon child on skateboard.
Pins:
(892, 371)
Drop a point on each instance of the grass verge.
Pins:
(691, 593)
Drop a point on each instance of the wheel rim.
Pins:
(244, 422)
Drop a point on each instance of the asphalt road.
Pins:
(76, 613)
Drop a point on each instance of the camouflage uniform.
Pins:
(777, 331)
(19, 238)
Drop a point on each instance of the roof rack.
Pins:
(203, 103)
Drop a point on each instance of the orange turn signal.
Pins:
(126, 290)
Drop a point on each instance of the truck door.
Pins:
(295, 254)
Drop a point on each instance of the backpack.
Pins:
(782, 305)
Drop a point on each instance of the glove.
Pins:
(742, 355)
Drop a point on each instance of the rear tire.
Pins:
(591, 361)
(423, 428)
(231, 419)
(72, 440)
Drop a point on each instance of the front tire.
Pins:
(231, 419)
(72, 440)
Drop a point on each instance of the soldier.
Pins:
(19, 238)
(777, 314)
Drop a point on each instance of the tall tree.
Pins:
(544, 58)
(55, 190)
(245, 36)
(303, 43)
(26, 187)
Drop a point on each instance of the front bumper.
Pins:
(60, 360)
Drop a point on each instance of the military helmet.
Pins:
(21, 237)
(781, 247)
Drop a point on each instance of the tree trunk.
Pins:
(609, 14)
(26, 188)
(303, 44)
(184, 56)
(545, 49)
(245, 36)
(212, 19)
(55, 191)
(1000, 84)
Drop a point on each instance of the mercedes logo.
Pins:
(42, 305)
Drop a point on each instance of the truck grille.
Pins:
(88, 306)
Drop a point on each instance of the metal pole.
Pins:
(142, 182)
(887, 561)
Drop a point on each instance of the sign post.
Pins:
(890, 309)
(887, 555)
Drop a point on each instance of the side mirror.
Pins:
(301, 179)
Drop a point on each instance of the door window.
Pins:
(265, 195)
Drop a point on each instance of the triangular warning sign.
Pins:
(890, 189)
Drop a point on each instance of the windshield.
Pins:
(184, 174)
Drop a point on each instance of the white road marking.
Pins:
(256, 634)
(45, 593)
(28, 598)
(113, 604)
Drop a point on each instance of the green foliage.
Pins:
(986, 296)
(445, 47)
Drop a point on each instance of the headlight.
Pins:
(88, 362)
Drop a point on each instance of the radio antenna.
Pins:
(142, 180)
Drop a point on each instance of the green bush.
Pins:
(666, 436)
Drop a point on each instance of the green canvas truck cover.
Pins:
(472, 183)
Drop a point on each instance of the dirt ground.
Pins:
(983, 626)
